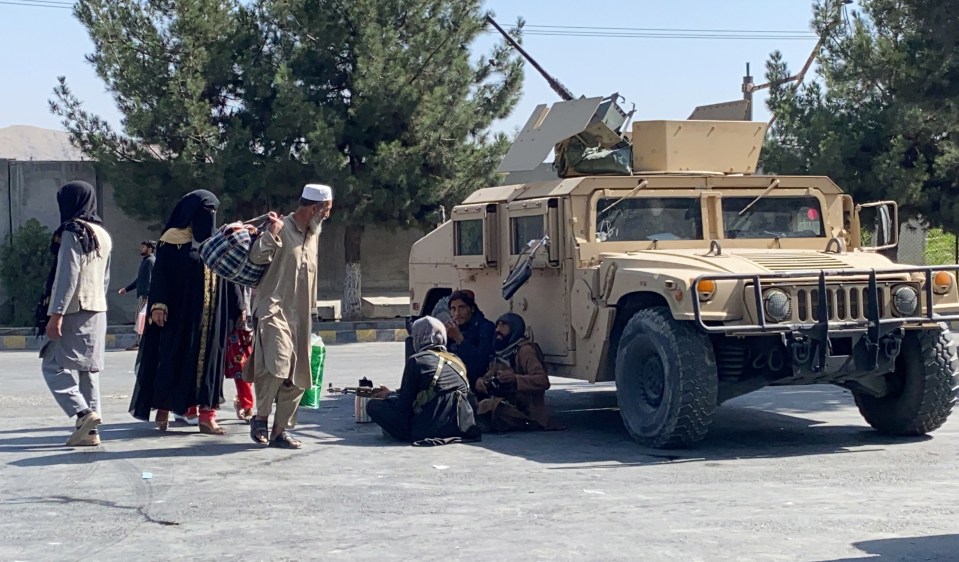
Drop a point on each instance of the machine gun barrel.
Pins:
(555, 84)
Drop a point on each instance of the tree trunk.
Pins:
(352, 285)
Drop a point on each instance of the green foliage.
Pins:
(940, 247)
(25, 262)
(253, 99)
(882, 120)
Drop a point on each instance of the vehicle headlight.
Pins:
(777, 305)
(905, 300)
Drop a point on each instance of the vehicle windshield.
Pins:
(649, 218)
(773, 217)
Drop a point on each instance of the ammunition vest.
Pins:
(424, 397)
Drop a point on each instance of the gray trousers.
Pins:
(75, 391)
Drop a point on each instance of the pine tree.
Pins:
(882, 120)
(251, 100)
(393, 111)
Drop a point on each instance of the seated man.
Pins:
(432, 406)
(470, 334)
(513, 392)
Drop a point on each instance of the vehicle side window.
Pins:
(468, 236)
(525, 229)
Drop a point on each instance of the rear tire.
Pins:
(666, 380)
(924, 386)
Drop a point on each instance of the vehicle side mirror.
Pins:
(879, 224)
(523, 270)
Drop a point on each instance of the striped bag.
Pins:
(226, 253)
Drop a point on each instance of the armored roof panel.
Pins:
(587, 184)
(534, 190)
(545, 127)
(822, 183)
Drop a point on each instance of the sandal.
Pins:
(285, 441)
(211, 429)
(259, 433)
(242, 414)
(163, 419)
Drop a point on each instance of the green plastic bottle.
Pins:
(311, 398)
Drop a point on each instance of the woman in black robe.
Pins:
(181, 361)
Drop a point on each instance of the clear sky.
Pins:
(666, 77)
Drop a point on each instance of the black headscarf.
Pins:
(77, 201)
(507, 348)
(191, 211)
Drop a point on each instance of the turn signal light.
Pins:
(706, 288)
(941, 282)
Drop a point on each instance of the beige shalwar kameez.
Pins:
(282, 307)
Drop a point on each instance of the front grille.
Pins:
(842, 303)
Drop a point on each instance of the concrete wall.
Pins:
(28, 190)
(385, 255)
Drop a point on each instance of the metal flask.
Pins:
(364, 391)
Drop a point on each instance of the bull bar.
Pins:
(875, 326)
(872, 322)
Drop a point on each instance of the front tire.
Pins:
(666, 380)
(923, 386)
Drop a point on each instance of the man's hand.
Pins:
(453, 332)
(236, 227)
(506, 376)
(480, 387)
(159, 317)
(122, 291)
(381, 393)
(55, 327)
(276, 223)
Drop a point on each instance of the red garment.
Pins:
(244, 393)
(239, 347)
(207, 416)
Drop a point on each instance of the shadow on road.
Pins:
(595, 435)
(208, 448)
(937, 547)
(54, 442)
(594, 438)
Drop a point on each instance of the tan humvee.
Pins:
(691, 281)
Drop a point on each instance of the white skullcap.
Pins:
(317, 192)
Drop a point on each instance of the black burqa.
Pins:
(77, 201)
(182, 364)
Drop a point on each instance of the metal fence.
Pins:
(920, 245)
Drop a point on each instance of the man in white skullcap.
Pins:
(285, 299)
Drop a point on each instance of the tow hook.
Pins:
(891, 346)
(801, 350)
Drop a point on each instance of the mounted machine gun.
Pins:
(588, 134)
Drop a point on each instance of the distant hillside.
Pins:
(22, 142)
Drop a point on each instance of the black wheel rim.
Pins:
(652, 380)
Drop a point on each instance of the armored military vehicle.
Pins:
(659, 259)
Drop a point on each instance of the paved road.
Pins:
(787, 474)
